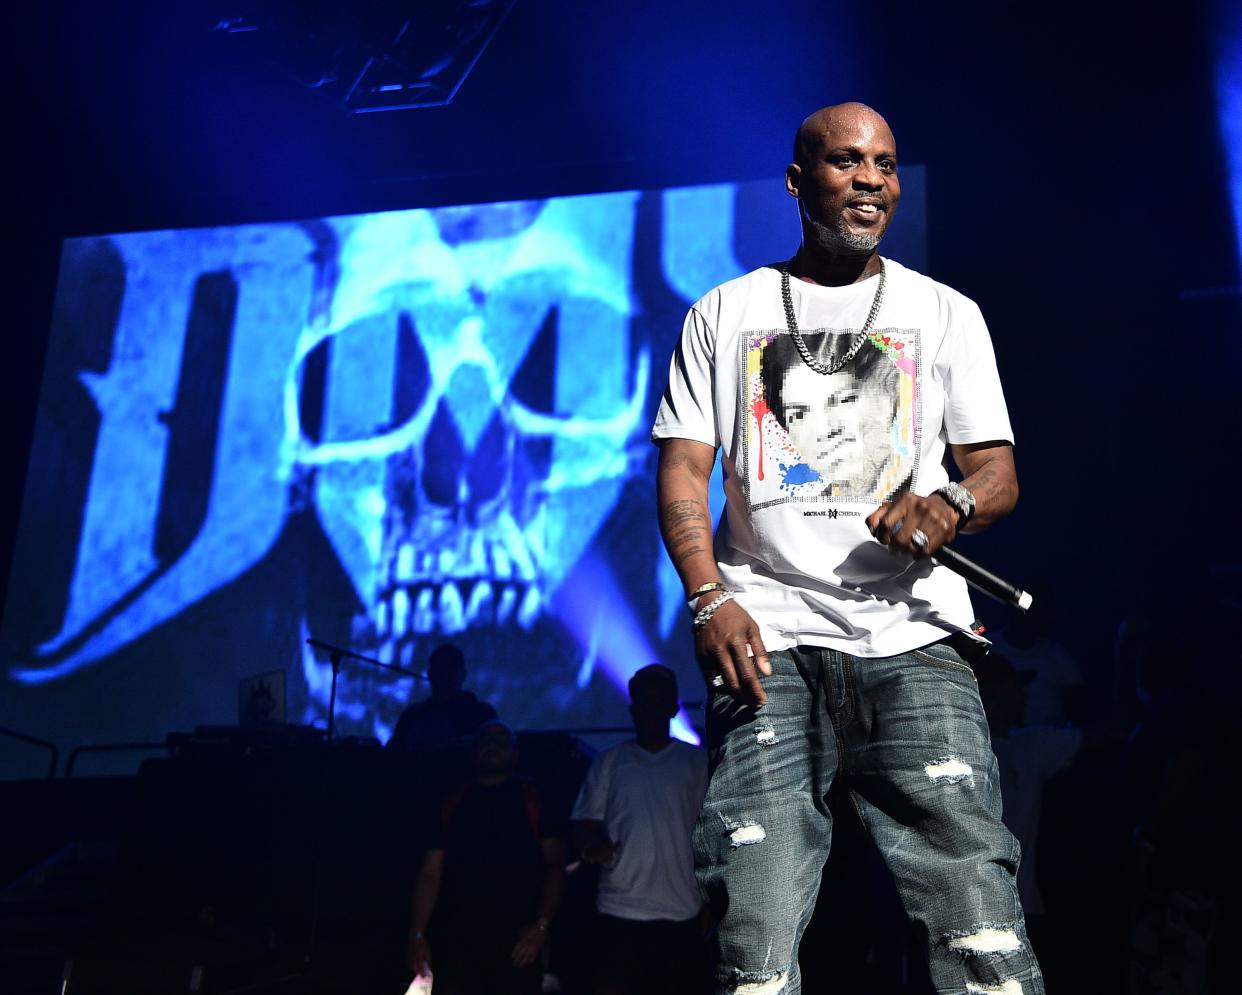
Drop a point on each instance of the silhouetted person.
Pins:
(634, 816)
(490, 881)
(1183, 786)
(1055, 694)
(450, 713)
(1029, 754)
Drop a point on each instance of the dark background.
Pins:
(1077, 190)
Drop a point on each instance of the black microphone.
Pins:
(983, 579)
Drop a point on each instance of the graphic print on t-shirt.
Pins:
(847, 436)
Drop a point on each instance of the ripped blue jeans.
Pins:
(907, 737)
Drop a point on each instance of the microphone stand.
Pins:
(337, 655)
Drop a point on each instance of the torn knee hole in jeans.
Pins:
(950, 770)
(987, 938)
(985, 941)
(1010, 986)
(743, 833)
(759, 983)
(765, 734)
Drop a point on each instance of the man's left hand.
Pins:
(900, 524)
(529, 943)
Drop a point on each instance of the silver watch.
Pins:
(961, 499)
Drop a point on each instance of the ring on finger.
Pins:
(919, 538)
(717, 681)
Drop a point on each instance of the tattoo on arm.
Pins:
(687, 529)
(676, 512)
(995, 490)
(982, 483)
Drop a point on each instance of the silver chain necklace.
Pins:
(859, 339)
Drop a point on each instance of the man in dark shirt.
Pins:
(451, 712)
(490, 881)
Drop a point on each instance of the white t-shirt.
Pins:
(807, 457)
(648, 802)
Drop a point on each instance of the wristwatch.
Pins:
(961, 499)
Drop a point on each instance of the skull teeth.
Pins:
(452, 606)
(405, 562)
(504, 607)
(502, 566)
(452, 610)
(424, 611)
(528, 612)
(400, 611)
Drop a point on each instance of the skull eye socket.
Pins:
(486, 472)
(534, 382)
(413, 374)
(366, 345)
(444, 459)
(534, 387)
(454, 478)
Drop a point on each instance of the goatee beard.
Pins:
(835, 240)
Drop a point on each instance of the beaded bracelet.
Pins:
(703, 589)
(705, 614)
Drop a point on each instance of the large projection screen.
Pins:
(385, 431)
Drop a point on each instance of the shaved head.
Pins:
(813, 133)
(844, 174)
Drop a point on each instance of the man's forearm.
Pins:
(685, 519)
(423, 902)
(553, 880)
(729, 646)
(990, 476)
(686, 525)
(995, 497)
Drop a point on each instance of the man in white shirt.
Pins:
(836, 386)
(633, 817)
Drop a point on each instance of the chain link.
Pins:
(859, 339)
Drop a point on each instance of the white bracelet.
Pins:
(705, 614)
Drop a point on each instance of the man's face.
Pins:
(495, 752)
(839, 425)
(447, 678)
(846, 182)
(652, 705)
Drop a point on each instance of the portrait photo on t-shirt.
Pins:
(849, 436)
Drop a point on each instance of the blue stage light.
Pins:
(595, 609)
(1229, 102)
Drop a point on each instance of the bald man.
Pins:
(835, 651)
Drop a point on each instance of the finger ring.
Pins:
(919, 538)
(717, 681)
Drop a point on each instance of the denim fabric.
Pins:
(908, 738)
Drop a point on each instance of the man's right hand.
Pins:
(419, 955)
(721, 646)
(685, 523)
(600, 850)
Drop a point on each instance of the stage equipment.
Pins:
(337, 655)
(368, 57)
